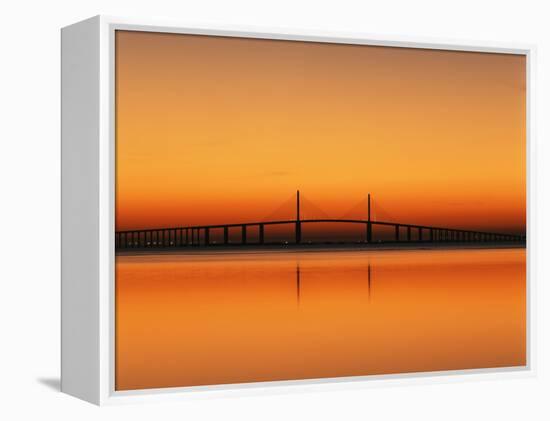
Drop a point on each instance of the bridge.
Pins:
(200, 235)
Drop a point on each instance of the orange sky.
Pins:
(220, 130)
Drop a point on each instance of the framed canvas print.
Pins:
(244, 208)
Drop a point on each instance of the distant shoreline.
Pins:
(291, 248)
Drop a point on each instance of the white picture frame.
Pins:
(88, 166)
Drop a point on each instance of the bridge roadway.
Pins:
(191, 235)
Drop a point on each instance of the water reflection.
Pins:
(368, 272)
(298, 282)
(208, 319)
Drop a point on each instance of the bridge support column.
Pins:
(261, 233)
(431, 234)
(226, 235)
(243, 235)
(419, 234)
(369, 225)
(298, 228)
(397, 233)
(207, 236)
(369, 232)
(408, 233)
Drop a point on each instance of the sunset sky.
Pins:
(220, 130)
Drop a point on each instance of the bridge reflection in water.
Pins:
(212, 318)
(200, 235)
(299, 282)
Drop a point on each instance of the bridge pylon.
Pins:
(298, 230)
(369, 223)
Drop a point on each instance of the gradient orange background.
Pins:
(221, 130)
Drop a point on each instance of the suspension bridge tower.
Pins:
(369, 223)
(298, 223)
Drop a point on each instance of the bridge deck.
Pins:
(190, 235)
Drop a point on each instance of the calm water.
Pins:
(202, 319)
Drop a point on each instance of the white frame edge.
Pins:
(88, 168)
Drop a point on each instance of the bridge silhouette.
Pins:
(190, 236)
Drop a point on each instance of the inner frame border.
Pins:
(107, 165)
